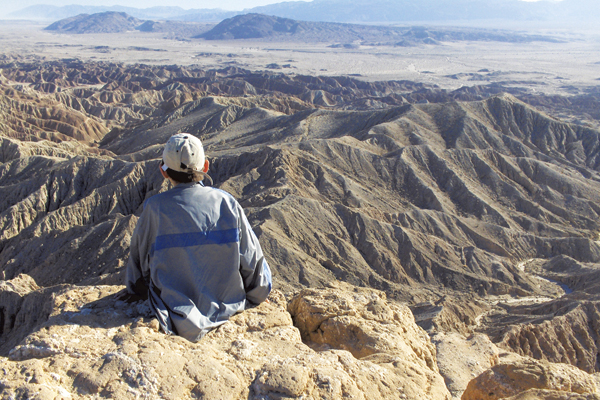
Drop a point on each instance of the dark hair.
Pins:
(183, 177)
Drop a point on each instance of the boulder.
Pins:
(461, 358)
(514, 378)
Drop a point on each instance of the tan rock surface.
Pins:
(563, 330)
(23, 304)
(572, 338)
(512, 377)
(365, 324)
(95, 347)
(28, 116)
(460, 358)
(540, 394)
(450, 314)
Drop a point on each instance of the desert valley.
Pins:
(428, 198)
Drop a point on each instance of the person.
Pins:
(193, 252)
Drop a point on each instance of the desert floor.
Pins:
(551, 68)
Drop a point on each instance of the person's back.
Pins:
(193, 250)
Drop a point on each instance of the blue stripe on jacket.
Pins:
(196, 239)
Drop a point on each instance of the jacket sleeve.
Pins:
(254, 269)
(138, 265)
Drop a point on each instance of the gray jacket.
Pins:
(195, 255)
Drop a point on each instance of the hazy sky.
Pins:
(8, 6)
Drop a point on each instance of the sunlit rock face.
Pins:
(524, 377)
(92, 344)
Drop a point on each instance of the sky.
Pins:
(8, 6)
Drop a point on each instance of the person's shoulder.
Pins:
(156, 199)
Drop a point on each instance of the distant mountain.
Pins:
(106, 22)
(115, 22)
(399, 10)
(432, 10)
(267, 27)
(252, 26)
(259, 26)
(48, 12)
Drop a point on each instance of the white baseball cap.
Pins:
(184, 153)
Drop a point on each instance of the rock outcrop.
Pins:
(463, 358)
(94, 345)
(562, 331)
(364, 324)
(23, 305)
(541, 394)
(525, 378)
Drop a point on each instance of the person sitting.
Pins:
(193, 252)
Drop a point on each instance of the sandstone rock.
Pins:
(511, 379)
(28, 117)
(93, 345)
(23, 305)
(361, 323)
(460, 358)
(536, 394)
(370, 328)
(449, 314)
(564, 330)
(11, 149)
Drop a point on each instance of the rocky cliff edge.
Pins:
(332, 343)
(340, 342)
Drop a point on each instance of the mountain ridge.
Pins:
(105, 22)
(265, 27)
(261, 26)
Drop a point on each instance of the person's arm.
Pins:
(253, 267)
(138, 266)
